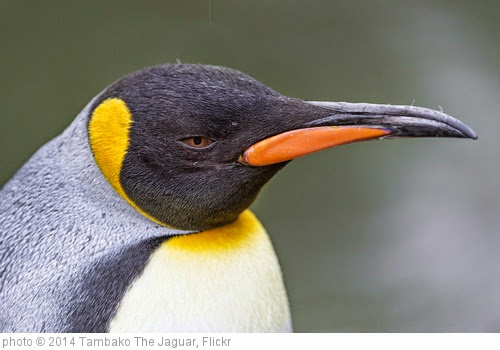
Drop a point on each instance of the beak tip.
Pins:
(469, 133)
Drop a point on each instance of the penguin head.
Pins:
(190, 146)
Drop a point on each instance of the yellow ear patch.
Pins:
(109, 130)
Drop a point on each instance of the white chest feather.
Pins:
(222, 280)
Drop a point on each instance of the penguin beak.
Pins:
(354, 122)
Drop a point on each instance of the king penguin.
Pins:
(135, 218)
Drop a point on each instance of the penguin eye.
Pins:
(197, 141)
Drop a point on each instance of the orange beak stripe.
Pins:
(297, 143)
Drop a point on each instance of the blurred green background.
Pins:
(396, 235)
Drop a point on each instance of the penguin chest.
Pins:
(222, 280)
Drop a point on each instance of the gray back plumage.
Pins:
(69, 244)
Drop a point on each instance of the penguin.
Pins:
(136, 219)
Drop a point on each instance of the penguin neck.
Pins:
(233, 267)
(221, 240)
